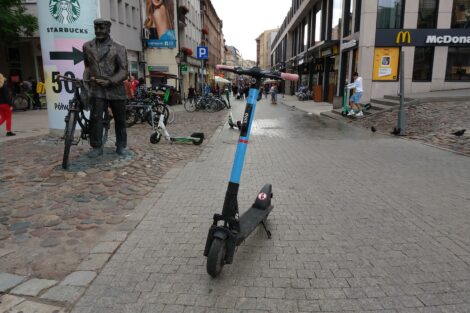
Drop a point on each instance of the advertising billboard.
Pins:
(386, 61)
(160, 23)
(64, 26)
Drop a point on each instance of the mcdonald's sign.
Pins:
(402, 37)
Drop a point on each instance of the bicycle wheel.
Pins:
(189, 105)
(171, 115)
(131, 117)
(159, 108)
(106, 125)
(212, 106)
(20, 102)
(70, 124)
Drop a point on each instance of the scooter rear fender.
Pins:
(263, 199)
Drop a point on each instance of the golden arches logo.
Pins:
(403, 37)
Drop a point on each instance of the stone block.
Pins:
(9, 301)
(33, 287)
(79, 278)
(63, 293)
(93, 262)
(8, 281)
(35, 307)
(106, 247)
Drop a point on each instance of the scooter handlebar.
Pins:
(224, 67)
(289, 76)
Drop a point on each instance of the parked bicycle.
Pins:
(76, 115)
(209, 103)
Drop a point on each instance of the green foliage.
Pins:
(15, 22)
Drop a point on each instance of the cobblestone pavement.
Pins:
(361, 222)
(50, 219)
(431, 123)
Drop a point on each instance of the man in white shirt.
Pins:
(356, 97)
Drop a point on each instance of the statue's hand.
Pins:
(102, 82)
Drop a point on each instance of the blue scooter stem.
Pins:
(244, 136)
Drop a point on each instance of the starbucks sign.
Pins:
(64, 11)
(63, 31)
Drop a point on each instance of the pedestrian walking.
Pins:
(356, 97)
(6, 107)
(191, 94)
(273, 92)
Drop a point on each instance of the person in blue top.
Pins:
(160, 15)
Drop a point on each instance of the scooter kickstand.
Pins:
(266, 229)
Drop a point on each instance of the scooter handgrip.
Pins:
(224, 67)
(289, 76)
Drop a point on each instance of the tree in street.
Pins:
(15, 21)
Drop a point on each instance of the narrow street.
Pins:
(361, 222)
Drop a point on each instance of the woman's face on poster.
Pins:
(157, 2)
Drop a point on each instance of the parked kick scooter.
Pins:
(160, 130)
(345, 101)
(228, 229)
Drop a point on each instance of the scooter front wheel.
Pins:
(155, 137)
(216, 257)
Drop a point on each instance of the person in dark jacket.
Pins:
(6, 107)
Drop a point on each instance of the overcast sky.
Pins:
(245, 20)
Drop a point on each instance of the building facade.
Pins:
(263, 48)
(212, 37)
(325, 41)
(24, 58)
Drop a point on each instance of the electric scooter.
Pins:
(346, 108)
(228, 230)
(345, 102)
(160, 129)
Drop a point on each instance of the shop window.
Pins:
(427, 13)
(348, 17)
(423, 60)
(458, 64)
(390, 13)
(318, 26)
(357, 16)
(461, 14)
(336, 19)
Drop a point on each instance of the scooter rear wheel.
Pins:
(216, 257)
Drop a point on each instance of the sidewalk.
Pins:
(27, 124)
(367, 237)
(308, 106)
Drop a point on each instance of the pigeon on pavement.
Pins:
(459, 132)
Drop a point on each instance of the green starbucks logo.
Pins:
(64, 11)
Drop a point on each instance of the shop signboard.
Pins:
(64, 26)
(422, 37)
(386, 61)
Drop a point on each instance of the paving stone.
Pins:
(19, 226)
(8, 301)
(8, 281)
(106, 247)
(33, 287)
(93, 262)
(36, 307)
(62, 293)
(79, 278)
(49, 242)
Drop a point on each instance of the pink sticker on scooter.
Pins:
(262, 196)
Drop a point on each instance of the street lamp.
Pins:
(178, 58)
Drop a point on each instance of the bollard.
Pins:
(401, 123)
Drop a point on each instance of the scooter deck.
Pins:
(250, 220)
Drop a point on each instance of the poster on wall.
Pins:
(160, 24)
(386, 62)
(64, 26)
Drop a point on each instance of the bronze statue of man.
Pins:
(106, 66)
